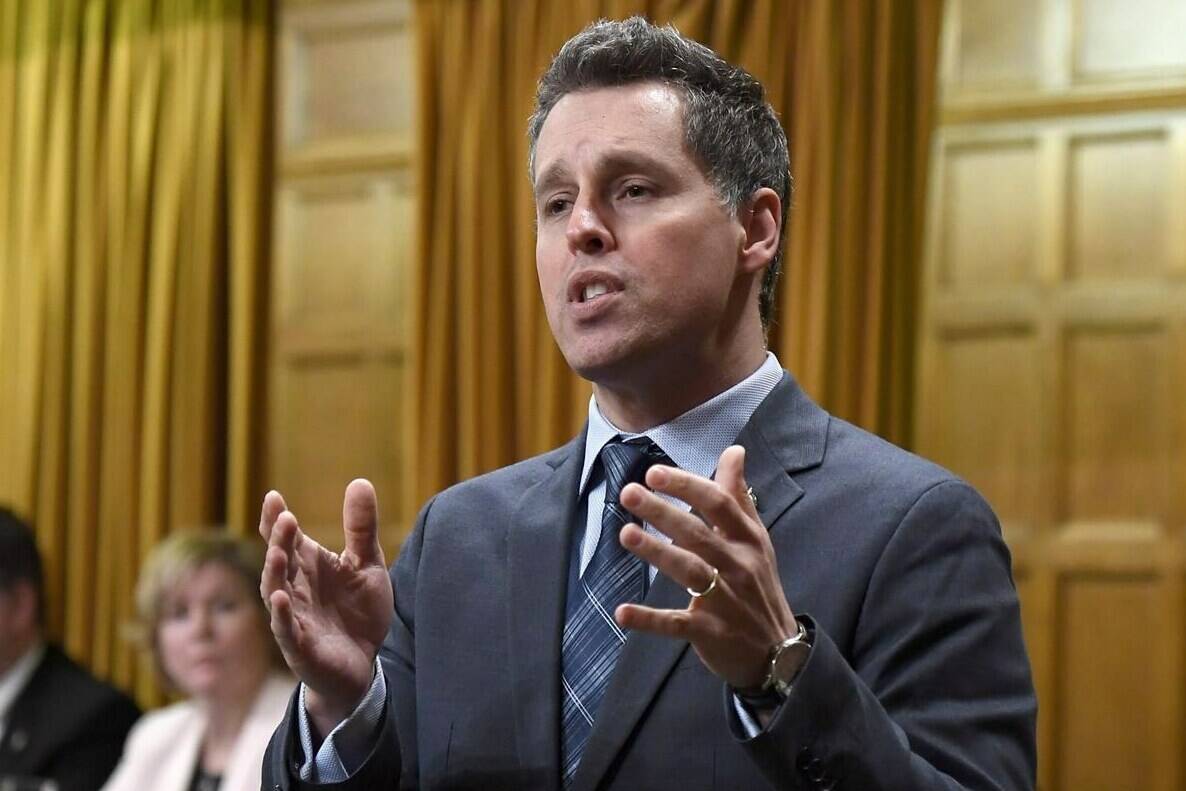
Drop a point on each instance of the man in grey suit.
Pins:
(716, 585)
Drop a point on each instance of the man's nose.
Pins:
(587, 230)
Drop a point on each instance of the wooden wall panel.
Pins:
(1116, 396)
(343, 241)
(329, 239)
(344, 221)
(325, 400)
(997, 45)
(1119, 204)
(1104, 674)
(346, 68)
(990, 192)
(339, 345)
(1053, 357)
(994, 447)
(1118, 38)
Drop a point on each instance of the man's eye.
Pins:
(635, 191)
(556, 206)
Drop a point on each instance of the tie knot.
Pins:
(628, 462)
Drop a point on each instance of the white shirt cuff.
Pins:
(350, 742)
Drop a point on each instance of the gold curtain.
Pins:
(134, 184)
(859, 122)
(852, 81)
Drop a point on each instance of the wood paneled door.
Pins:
(1053, 355)
(343, 236)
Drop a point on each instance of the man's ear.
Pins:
(761, 220)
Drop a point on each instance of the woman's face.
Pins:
(211, 637)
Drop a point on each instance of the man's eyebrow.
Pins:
(613, 162)
(556, 172)
(617, 161)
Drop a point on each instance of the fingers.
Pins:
(360, 522)
(731, 476)
(684, 529)
(273, 578)
(272, 508)
(683, 566)
(280, 561)
(718, 501)
(691, 625)
(283, 622)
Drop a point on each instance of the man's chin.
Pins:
(609, 370)
(593, 361)
(595, 372)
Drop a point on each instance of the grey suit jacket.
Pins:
(918, 678)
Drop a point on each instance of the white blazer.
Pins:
(162, 750)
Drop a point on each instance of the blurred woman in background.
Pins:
(198, 603)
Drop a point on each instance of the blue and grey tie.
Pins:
(592, 639)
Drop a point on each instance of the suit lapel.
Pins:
(538, 544)
(29, 737)
(787, 433)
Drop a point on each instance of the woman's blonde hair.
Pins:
(172, 562)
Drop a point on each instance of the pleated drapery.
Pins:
(853, 82)
(134, 208)
(859, 122)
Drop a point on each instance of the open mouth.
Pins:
(593, 291)
(589, 286)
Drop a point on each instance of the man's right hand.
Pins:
(330, 612)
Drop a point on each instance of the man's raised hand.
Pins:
(721, 548)
(330, 611)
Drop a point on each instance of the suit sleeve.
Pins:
(392, 761)
(937, 693)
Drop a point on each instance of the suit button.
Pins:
(18, 741)
(804, 759)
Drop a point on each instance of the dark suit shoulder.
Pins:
(879, 463)
(830, 456)
(865, 489)
(60, 678)
(502, 487)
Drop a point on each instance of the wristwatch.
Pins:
(784, 662)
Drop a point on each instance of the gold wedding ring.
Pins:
(712, 585)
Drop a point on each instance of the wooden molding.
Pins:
(372, 152)
(989, 108)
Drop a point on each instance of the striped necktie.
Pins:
(592, 639)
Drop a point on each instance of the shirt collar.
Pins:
(697, 438)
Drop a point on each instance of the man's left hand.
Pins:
(734, 626)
